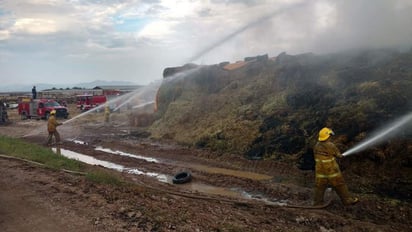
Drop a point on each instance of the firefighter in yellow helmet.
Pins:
(52, 125)
(327, 170)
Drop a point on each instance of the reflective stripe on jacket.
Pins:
(326, 165)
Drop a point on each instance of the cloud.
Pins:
(4, 35)
(134, 40)
(157, 30)
(34, 26)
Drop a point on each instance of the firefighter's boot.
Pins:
(343, 192)
(319, 195)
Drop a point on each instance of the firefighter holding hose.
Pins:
(327, 170)
(106, 113)
(52, 125)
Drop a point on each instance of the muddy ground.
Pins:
(226, 193)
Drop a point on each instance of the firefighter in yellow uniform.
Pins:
(52, 125)
(327, 170)
(106, 113)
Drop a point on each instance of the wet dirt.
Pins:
(36, 198)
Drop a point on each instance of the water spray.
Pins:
(84, 113)
(33, 132)
(143, 92)
(244, 28)
(382, 134)
(143, 105)
(124, 102)
(150, 90)
(125, 98)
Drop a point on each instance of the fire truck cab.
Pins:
(86, 102)
(41, 108)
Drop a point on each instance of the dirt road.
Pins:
(227, 192)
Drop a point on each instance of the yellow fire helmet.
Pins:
(53, 112)
(325, 133)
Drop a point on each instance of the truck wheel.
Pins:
(23, 116)
(47, 115)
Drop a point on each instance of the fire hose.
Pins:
(188, 195)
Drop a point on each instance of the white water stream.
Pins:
(387, 132)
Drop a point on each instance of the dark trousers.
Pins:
(50, 138)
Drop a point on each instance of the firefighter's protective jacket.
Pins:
(52, 124)
(325, 156)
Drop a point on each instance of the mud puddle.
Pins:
(93, 161)
(204, 168)
(232, 192)
(117, 152)
(208, 169)
(230, 172)
(191, 186)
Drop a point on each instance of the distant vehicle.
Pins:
(12, 105)
(3, 113)
(41, 108)
(86, 102)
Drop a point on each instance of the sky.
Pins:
(77, 41)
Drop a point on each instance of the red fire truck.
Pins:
(41, 108)
(87, 102)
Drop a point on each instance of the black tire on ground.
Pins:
(182, 177)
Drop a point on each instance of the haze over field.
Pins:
(65, 42)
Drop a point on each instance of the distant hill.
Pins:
(43, 86)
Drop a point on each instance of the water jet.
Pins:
(384, 133)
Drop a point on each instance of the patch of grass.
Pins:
(104, 177)
(273, 103)
(21, 149)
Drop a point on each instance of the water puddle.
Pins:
(191, 186)
(204, 188)
(208, 169)
(93, 161)
(232, 192)
(230, 172)
(78, 141)
(260, 197)
(108, 150)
